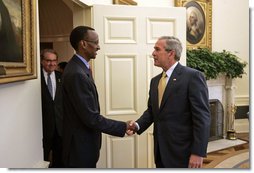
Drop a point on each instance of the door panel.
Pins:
(123, 69)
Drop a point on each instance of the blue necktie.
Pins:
(50, 86)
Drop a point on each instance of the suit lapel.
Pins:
(58, 83)
(155, 90)
(171, 84)
(83, 66)
(87, 72)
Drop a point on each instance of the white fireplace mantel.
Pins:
(216, 89)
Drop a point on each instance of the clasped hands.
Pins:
(131, 127)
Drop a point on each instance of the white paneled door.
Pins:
(123, 69)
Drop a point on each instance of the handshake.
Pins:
(132, 127)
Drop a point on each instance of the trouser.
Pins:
(53, 151)
(158, 161)
(57, 160)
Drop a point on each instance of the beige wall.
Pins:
(231, 32)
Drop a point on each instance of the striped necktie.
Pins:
(50, 86)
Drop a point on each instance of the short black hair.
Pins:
(77, 34)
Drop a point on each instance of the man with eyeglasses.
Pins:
(52, 110)
(83, 123)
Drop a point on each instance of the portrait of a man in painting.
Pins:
(10, 31)
(195, 22)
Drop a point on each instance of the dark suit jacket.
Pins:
(181, 125)
(52, 113)
(83, 123)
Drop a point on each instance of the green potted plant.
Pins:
(212, 64)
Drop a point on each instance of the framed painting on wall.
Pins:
(124, 2)
(198, 22)
(17, 40)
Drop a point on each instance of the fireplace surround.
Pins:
(217, 119)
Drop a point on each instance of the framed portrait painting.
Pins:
(198, 22)
(124, 2)
(17, 40)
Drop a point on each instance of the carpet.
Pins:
(238, 159)
(233, 157)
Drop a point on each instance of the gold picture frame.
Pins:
(18, 63)
(198, 22)
(124, 2)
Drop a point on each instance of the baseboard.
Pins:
(41, 164)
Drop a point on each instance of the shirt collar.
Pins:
(83, 60)
(171, 69)
(46, 73)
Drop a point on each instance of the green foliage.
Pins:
(213, 64)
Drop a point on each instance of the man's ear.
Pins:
(83, 43)
(172, 53)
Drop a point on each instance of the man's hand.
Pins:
(195, 161)
(131, 127)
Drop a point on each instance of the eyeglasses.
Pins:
(93, 42)
(50, 61)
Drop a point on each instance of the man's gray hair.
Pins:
(173, 43)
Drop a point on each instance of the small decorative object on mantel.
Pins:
(231, 134)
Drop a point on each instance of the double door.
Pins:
(123, 69)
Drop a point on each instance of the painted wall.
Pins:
(21, 124)
(231, 32)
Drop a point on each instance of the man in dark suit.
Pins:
(83, 123)
(52, 110)
(180, 113)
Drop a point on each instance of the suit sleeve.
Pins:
(147, 118)
(199, 99)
